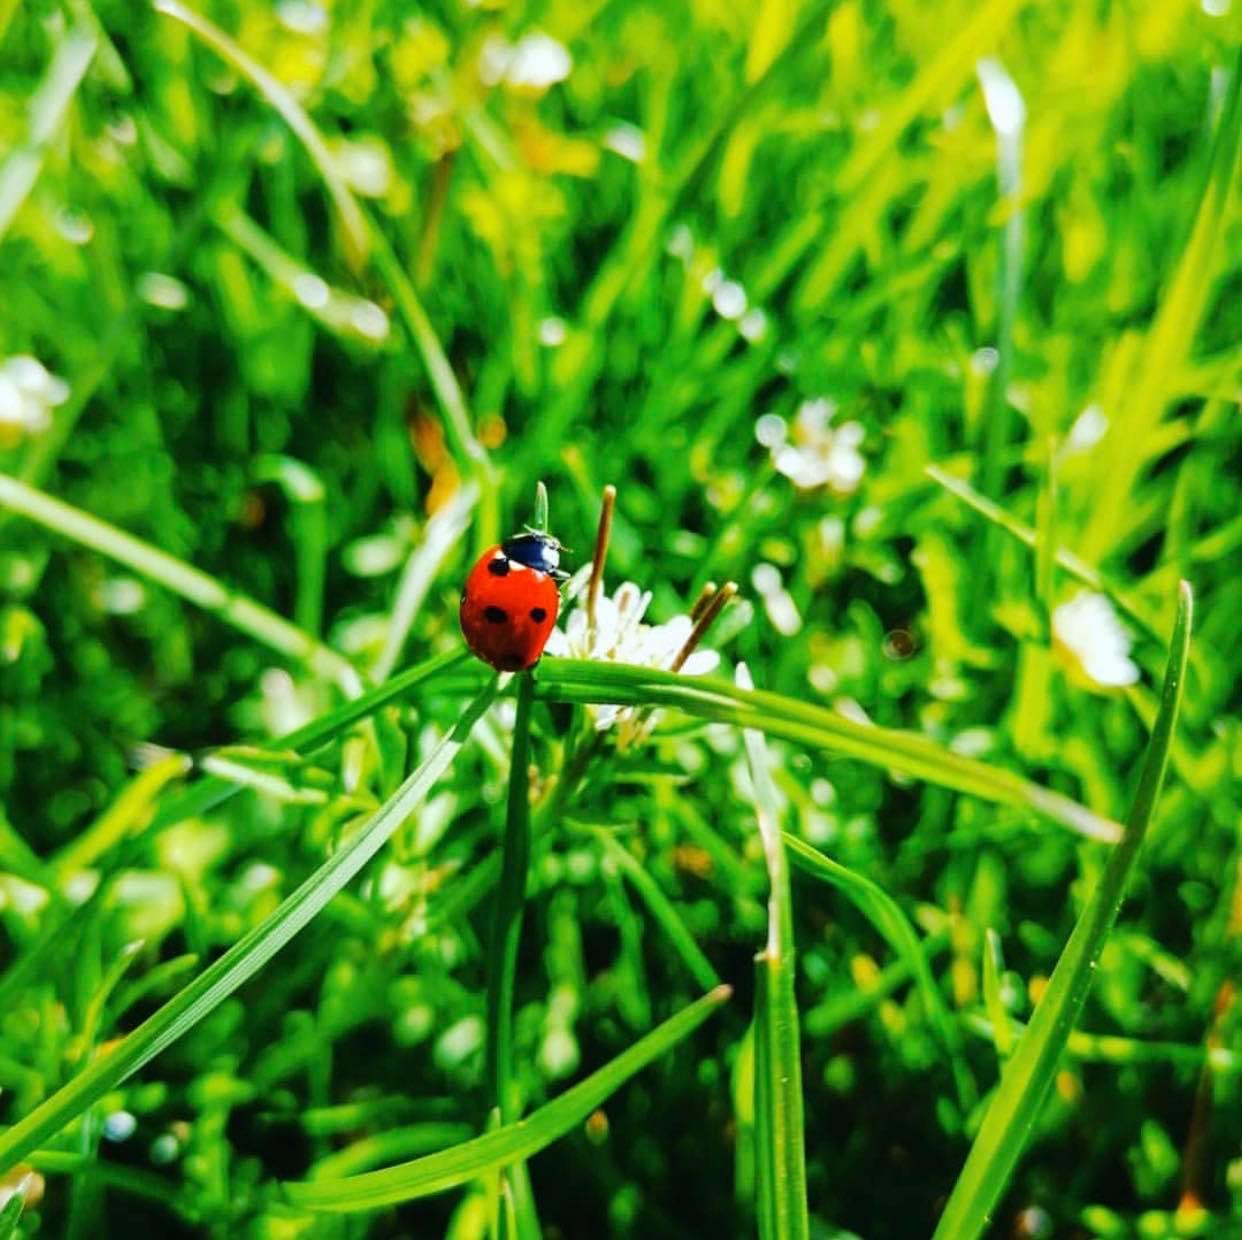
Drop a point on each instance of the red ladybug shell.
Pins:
(508, 609)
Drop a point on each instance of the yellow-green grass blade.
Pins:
(781, 1205)
(20, 170)
(509, 1144)
(244, 958)
(577, 680)
(1024, 1085)
(886, 916)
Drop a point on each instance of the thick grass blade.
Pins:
(1024, 1085)
(885, 914)
(243, 959)
(782, 1207)
(192, 584)
(579, 680)
(503, 1099)
(507, 1145)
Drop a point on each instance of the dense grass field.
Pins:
(864, 857)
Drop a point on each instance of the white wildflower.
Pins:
(621, 636)
(29, 393)
(1088, 630)
(532, 64)
(819, 454)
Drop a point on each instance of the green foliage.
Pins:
(920, 323)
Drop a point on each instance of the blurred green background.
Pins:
(759, 267)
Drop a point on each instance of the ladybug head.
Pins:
(539, 551)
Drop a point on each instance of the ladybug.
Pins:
(512, 595)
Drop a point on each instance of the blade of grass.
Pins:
(191, 583)
(778, 1057)
(509, 1144)
(48, 106)
(507, 920)
(206, 794)
(886, 916)
(1007, 112)
(1168, 343)
(244, 958)
(1028, 1075)
(580, 680)
(993, 966)
(128, 814)
(661, 909)
(1121, 1051)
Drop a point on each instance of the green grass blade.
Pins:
(574, 680)
(510, 1144)
(441, 536)
(191, 583)
(993, 966)
(507, 921)
(1168, 342)
(778, 1056)
(244, 958)
(886, 916)
(1024, 1085)
(1074, 565)
(662, 911)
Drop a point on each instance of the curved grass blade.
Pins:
(885, 914)
(244, 958)
(778, 1056)
(661, 909)
(580, 680)
(194, 585)
(353, 222)
(510, 1144)
(1028, 1075)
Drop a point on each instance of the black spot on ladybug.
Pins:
(498, 567)
(495, 615)
(513, 662)
(463, 598)
(538, 615)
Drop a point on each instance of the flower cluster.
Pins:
(816, 453)
(612, 628)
